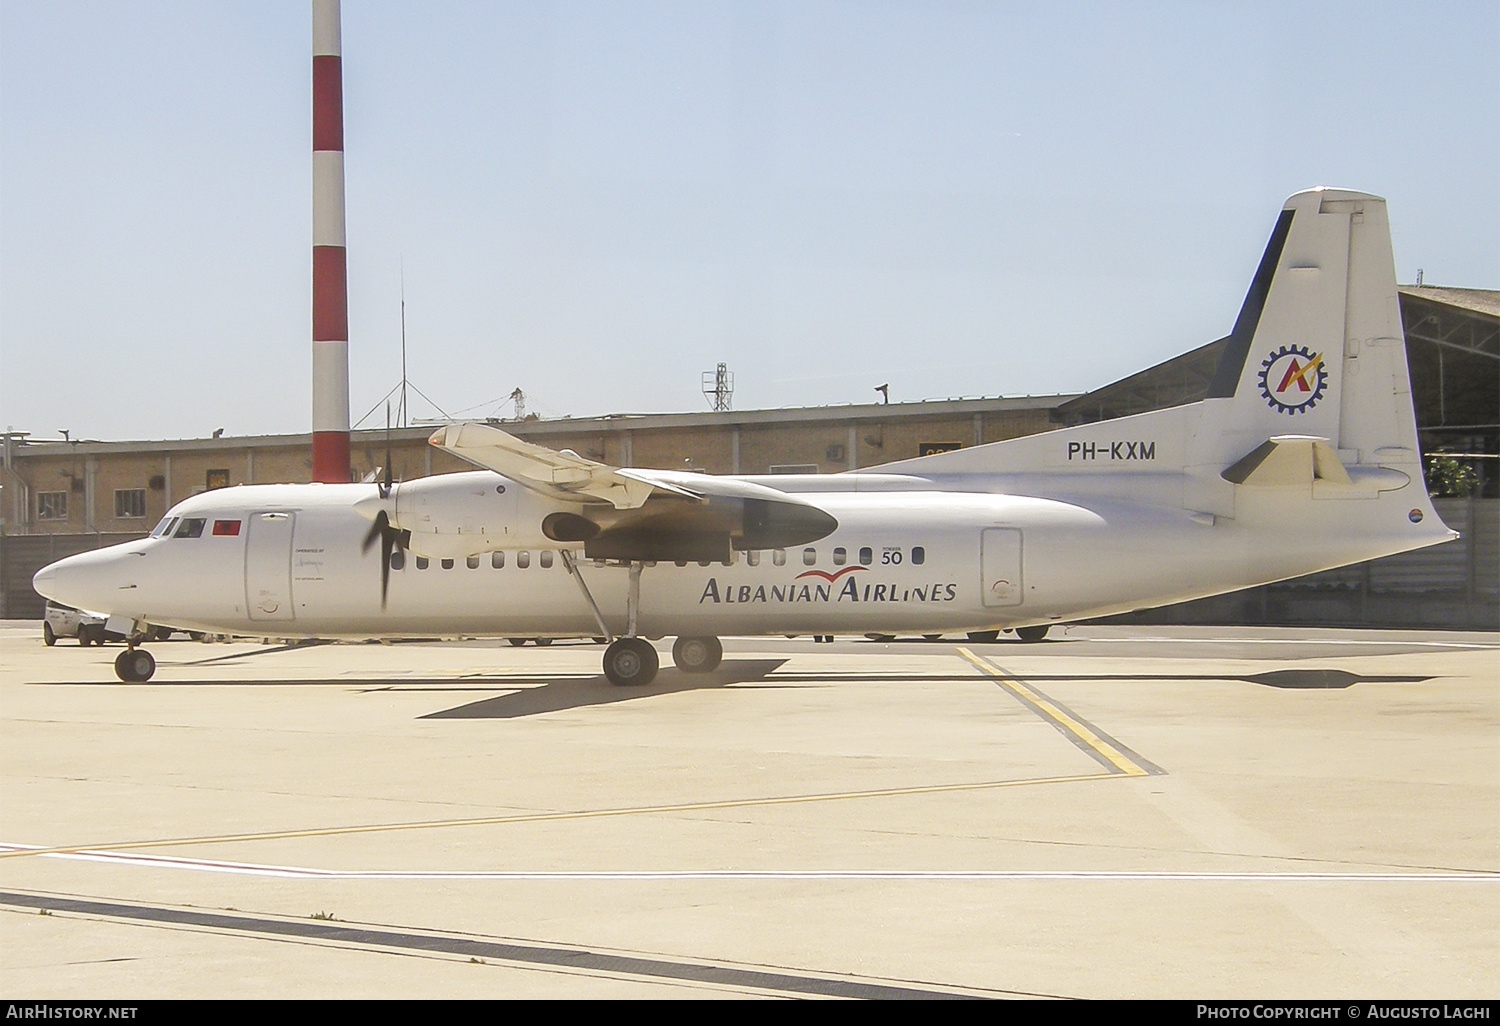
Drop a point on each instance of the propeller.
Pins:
(391, 539)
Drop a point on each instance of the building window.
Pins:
(130, 503)
(216, 479)
(794, 468)
(52, 505)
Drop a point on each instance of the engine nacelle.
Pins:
(458, 515)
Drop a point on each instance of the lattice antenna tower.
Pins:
(718, 387)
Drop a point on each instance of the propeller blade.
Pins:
(378, 529)
(387, 538)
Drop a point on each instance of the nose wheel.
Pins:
(135, 665)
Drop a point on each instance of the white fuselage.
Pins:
(909, 556)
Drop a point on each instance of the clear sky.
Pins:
(597, 202)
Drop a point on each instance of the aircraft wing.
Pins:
(559, 474)
(642, 514)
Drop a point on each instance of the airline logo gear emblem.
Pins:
(1293, 379)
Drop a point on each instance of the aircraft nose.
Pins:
(89, 580)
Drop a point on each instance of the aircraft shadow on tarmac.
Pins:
(574, 693)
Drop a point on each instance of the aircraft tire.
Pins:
(631, 662)
(542, 642)
(1030, 634)
(517, 642)
(933, 637)
(984, 637)
(697, 655)
(135, 665)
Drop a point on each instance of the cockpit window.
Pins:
(164, 528)
(191, 527)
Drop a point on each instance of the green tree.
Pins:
(1447, 476)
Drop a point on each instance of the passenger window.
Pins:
(866, 556)
(918, 555)
(545, 558)
(191, 527)
(778, 557)
(398, 559)
(809, 556)
(753, 557)
(472, 562)
(497, 560)
(523, 560)
(423, 562)
(840, 557)
(447, 564)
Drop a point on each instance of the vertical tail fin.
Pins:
(1318, 348)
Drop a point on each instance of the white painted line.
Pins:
(1282, 641)
(666, 875)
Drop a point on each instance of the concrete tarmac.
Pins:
(1114, 812)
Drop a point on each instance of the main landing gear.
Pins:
(632, 661)
(135, 665)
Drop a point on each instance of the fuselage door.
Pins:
(268, 566)
(1000, 567)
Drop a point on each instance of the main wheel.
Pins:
(697, 655)
(542, 642)
(517, 642)
(630, 662)
(933, 637)
(135, 665)
(1036, 633)
(984, 637)
(49, 636)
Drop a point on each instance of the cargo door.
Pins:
(268, 566)
(1000, 567)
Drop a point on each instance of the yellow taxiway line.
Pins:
(1061, 718)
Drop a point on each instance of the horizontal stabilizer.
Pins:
(1289, 460)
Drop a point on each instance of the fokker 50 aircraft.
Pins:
(1302, 457)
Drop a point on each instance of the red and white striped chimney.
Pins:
(330, 409)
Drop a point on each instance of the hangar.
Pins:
(62, 497)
